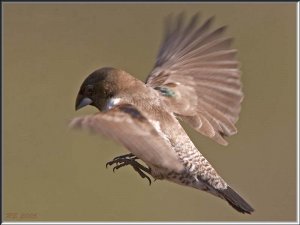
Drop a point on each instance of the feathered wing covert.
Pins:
(126, 125)
(197, 72)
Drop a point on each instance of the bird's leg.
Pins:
(118, 159)
(137, 167)
(129, 159)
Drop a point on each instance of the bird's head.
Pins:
(100, 87)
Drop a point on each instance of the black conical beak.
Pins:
(82, 101)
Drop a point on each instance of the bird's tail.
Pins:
(235, 200)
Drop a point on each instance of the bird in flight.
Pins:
(196, 78)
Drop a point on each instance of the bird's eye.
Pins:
(89, 90)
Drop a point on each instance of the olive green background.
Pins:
(59, 174)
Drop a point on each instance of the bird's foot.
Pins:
(129, 159)
(119, 158)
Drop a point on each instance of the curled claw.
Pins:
(145, 176)
(120, 159)
(148, 178)
(111, 163)
(119, 166)
(129, 159)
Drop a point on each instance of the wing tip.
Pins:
(75, 123)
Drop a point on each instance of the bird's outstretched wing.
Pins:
(126, 125)
(197, 73)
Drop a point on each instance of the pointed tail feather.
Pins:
(235, 200)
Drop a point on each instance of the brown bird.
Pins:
(196, 78)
